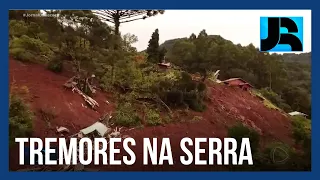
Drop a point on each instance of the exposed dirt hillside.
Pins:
(226, 107)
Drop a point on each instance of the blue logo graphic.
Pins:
(281, 34)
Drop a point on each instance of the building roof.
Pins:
(296, 113)
(233, 79)
(164, 64)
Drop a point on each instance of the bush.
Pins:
(17, 28)
(128, 75)
(153, 118)
(182, 92)
(281, 157)
(174, 97)
(22, 55)
(201, 87)
(20, 119)
(55, 64)
(275, 99)
(194, 100)
(185, 77)
(301, 129)
(240, 131)
(35, 46)
(126, 116)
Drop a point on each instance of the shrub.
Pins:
(126, 116)
(240, 131)
(35, 46)
(20, 119)
(185, 77)
(201, 87)
(55, 64)
(281, 157)
(190, 86)
(128, 75)
(165, 85)
(301, 129)
(194, 101)
(21, 55)
(33, 30)
(275, 99)
(174, 97)
(183, 92)
(17, 28)
(153, 118)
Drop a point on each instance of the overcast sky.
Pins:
(239, 26)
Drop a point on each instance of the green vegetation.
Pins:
(126, 116)
(55, 64)
(144, 91)
(20, 119)
(301, 129)
(240, 131)
(276, 155)
(283, 79)
(153, 118)
(262, 94)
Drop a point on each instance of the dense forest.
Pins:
(284, 79)
(92, 43)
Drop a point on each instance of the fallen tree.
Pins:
(74, 83)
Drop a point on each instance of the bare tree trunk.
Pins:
(116, 45)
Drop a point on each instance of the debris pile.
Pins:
(83, 87)
(99, 129)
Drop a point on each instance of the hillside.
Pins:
(285, 74)
(72, 70)
(227, 107)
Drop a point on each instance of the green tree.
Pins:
(153, 47)
(118, 17)
(283, 74)
(127, 41)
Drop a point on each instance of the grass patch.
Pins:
(265, 101)
(269, 105)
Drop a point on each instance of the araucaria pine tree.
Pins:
(153, 47)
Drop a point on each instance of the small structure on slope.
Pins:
(164, 64)
(296, 113)
(238, 82)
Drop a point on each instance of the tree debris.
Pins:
(62, 130)
(73, 84)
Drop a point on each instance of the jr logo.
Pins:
(281, 34)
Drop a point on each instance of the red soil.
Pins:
(227, 106)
